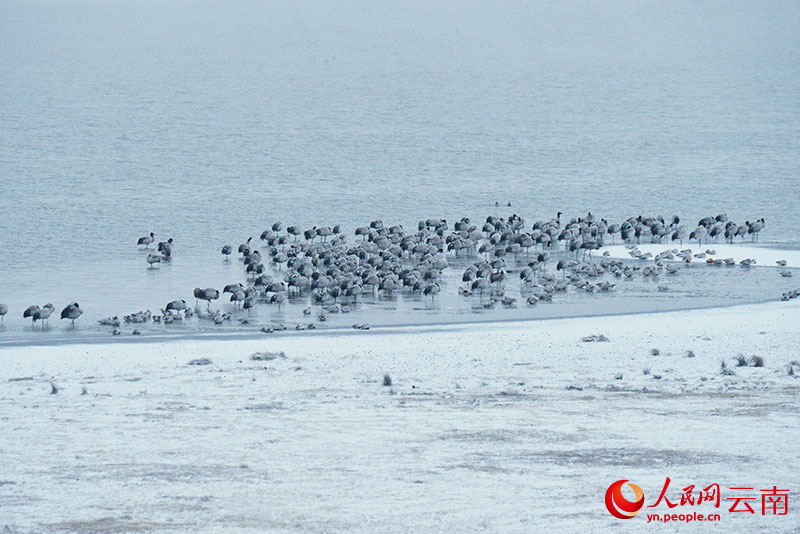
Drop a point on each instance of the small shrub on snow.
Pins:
(723, 369)
(595, 338)
(267, 356)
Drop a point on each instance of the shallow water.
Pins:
(206, 123)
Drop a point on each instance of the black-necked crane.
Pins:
(754, 228)
(29, 311)
(72, 312)
(165, 248)
(146, 240)
(175, 305)
(43, 313)
(152, 259)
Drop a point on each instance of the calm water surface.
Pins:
(206, 122)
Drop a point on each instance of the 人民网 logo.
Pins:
(618, 505)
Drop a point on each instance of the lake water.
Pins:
(208, 121)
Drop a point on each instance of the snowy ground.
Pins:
(512, 427)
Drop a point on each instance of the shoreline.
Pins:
(375, 329)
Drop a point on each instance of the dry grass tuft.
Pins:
(267, 356)
(724, 371)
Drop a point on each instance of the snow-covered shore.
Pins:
(506, 427)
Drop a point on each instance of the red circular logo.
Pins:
(618, 505)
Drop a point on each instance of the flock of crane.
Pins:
(319, 263)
